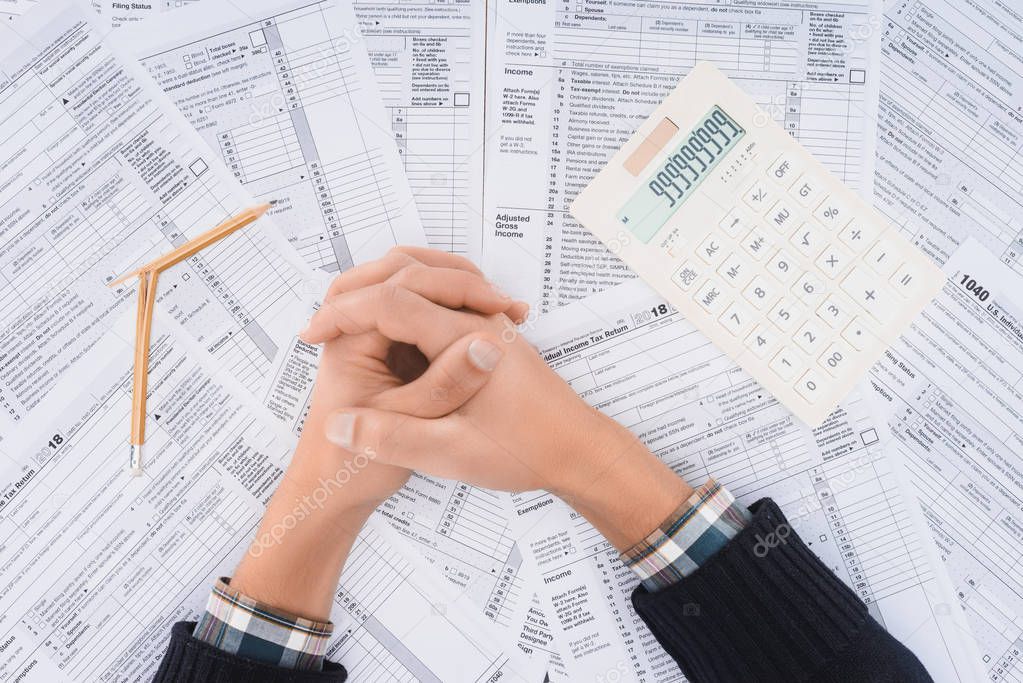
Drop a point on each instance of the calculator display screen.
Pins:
(681, 172)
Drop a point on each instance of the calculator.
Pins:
(781, 265)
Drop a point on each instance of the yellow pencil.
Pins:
(147, 277)
(197, 244)
(143, 327)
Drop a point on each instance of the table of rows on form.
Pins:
(428, 63)
(371, 577)
(434, 144)
(283, 98)
(474, 518)
(275, 144)
(368, 605)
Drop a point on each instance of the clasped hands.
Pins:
(423, 368)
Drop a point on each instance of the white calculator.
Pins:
(785, 268)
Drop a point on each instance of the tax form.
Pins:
(98, 566)
(284, 94)
(954, 389)
(633, 357)
(570, 81)
(950, 126)
(429, 59)
(100, 174)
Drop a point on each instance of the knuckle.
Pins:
(408, 274)
(390, 293)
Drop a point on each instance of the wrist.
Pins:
(620, 487)
(295, 561)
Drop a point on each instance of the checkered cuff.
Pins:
(240, 625)
(690, 535)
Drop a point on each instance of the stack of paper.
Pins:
(470, 126)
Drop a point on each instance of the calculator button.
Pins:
(835, 312)
(737, 320)
(781, 217)
(735, 223)
(836, 358)
(761, 341)
(686, 276)
(783, 266)
(761, 292)
(785, 315)
(783, 170)
(711, 297)
(736, 271)
(859, 235)
(711, 250)
(758, 197)
(807, 189)
(833, 261)
(907, 280)
(810, 337)
(884, 257)
(756, 244)
(810, 386)
(809, 289)
(808, 240)
(868, 292)
(858, 336)
(786, 364)
(832, 213)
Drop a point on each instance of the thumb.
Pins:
(434, 446)
(454, 377)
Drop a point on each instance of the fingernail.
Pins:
(484, 355)
(340, 429)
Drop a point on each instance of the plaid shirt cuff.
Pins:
(241, 626)
(697, 529)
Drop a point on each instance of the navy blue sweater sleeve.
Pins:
(190, 660)
(765, 608)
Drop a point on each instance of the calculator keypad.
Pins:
(788, 271)
(807, 285)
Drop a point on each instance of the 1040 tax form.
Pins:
(954, 389)
(633, 357)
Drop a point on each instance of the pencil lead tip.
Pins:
(135, 460)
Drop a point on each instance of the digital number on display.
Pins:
(680, 174)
